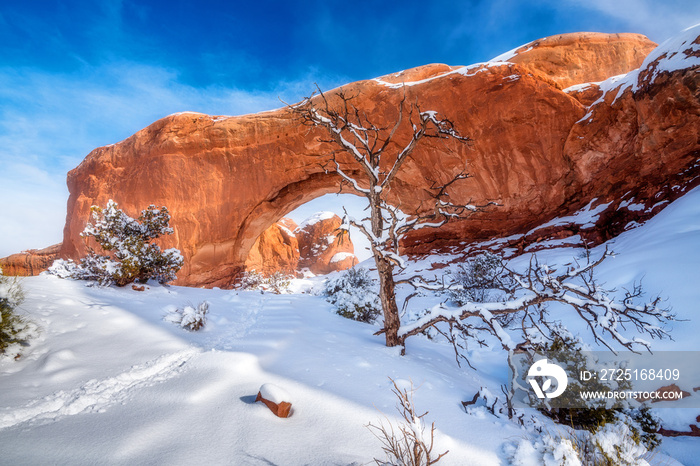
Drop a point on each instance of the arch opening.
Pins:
(306, 239)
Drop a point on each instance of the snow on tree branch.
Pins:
(377, 154)
(608, 319)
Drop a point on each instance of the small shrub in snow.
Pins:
(93, 267)
(409, 444)
(189, 317)
(478, 280)
(252, 280)
(614, 444)
(14, 329)
(277, 282)
(567, 351)
(354, 295)
(130, 256)
(644, 426)
(545, 451)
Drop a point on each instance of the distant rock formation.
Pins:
(565, 152)
(276, 249)
(323, 248)
(31, 262)
(316, 245)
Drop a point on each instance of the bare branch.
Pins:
(408, 444)
(605, 316)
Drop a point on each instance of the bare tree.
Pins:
(525, 298)
(377, 154)
(368, 158)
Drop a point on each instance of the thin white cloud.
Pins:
(32, 211)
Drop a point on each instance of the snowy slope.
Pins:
(109, 381)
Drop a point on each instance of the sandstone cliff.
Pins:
(275, 250)
(323, 248)
(316, 245)
(31, 262)
(569, 59)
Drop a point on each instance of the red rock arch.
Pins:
(226, 179)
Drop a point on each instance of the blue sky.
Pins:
(75, 75)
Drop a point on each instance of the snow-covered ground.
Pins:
(109, 380)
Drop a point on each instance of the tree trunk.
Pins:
(387, 295)
(385, 269)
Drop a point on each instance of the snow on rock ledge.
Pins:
(566, 60)
(641, 136)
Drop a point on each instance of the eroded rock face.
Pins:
(31, 262)
(581, 57)
(642, 135)
(276, 249)
(317, 245)
(539, 152)
(323, 247)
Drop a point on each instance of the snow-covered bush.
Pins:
(252, 280)
(606, 435)
(190, 317)
(547, 450)
(130, 255)
(615, 444)
(93, 267)
(478, 280)
(277, 282)
(644, 426)
(568, 352)
(13, 328)
(354, 294)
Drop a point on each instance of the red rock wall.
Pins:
(582, 57)
(323, 248)
(275, 250)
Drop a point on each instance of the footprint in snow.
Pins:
(97, 395)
